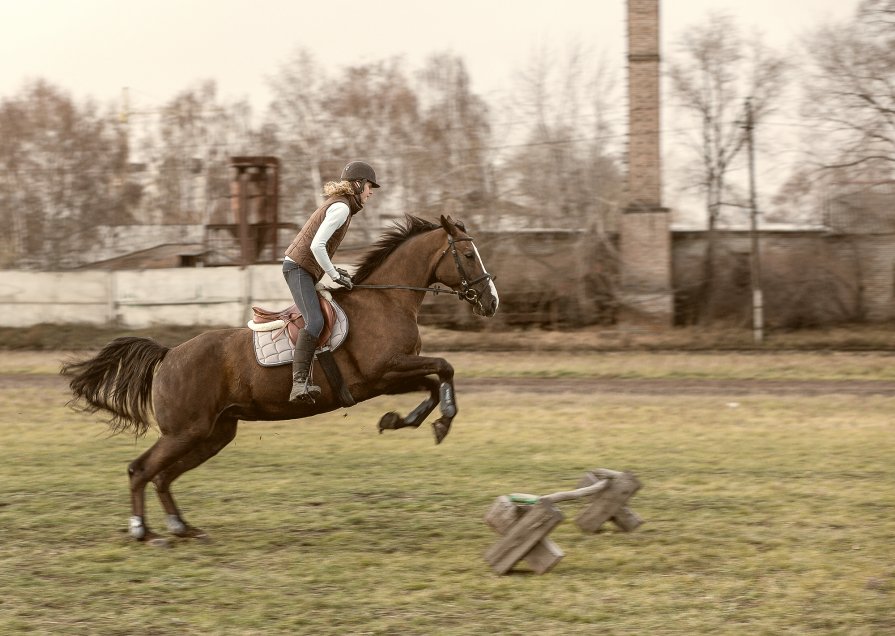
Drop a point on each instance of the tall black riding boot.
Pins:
(302, 390)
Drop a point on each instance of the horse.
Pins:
(195, 393)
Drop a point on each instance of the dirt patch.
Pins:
(680, 386)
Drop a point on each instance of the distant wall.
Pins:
(553, 278)
(809, 278)
(183, 296)
(545, 277)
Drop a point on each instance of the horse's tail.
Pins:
(118, 380)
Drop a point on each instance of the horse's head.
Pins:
(460, 267)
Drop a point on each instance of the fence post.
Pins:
(244, 310)
(111, 299)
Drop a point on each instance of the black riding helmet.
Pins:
(357, 170)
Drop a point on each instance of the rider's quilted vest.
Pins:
(300, 249)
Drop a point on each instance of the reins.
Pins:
(434, 290)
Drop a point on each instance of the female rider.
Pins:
(310, 255)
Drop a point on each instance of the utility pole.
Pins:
(757, 301)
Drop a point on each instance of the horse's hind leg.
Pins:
(223, 434)
(161, 454)
(393, 421)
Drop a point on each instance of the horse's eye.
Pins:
(470, 254)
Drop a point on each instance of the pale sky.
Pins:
(160, 47)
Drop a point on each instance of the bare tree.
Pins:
(712, 71)
(188, 149)
(564, 167)
(560, 169)
(850, 90)
(318, 121)
(453, 136)
(376, 114)
(299, 127)
(62, 173)
(426, 139)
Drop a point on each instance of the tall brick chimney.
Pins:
(645, 232)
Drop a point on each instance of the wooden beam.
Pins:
(533, 526)
(503, 514)
(611, 501)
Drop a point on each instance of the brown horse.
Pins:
(196, 392)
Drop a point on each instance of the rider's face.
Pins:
(367, 192)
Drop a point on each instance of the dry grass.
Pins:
(786, 365)
(494, 336)
(789, 365)
(765, 516)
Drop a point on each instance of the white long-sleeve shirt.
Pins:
(336, 215)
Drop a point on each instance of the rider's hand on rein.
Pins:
(344, 279)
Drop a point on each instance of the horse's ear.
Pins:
(450, 225)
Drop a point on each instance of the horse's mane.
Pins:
(389, 242)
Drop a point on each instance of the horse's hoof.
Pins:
(441, 429)
(155, 540)
(138, 531)
(194, 533)
(389, 421)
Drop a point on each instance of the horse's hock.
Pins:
(524, 521)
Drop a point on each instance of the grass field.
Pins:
(763, 514)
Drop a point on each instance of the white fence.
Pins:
(142, 298)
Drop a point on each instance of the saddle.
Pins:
(275, 330)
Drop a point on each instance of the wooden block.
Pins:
(610, 503)
(503, 514)
(519, 539)
(626, 519)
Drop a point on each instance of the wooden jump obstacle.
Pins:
(524, 521)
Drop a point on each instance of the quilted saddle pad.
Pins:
(273, 348)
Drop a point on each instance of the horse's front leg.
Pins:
(393, 421)
(412, 371)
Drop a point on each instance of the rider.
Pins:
(309, 256)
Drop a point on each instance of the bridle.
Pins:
(467, 292)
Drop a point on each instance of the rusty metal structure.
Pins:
(252, 236)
